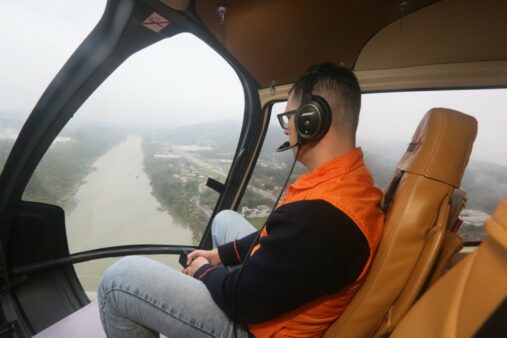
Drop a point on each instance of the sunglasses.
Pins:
(283, 118)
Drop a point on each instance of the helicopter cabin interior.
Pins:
(127, 125)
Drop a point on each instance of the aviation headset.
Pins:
(313, 117)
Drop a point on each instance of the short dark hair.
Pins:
(338, 86)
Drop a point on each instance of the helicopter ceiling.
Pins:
(276, 40)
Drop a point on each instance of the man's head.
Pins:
(339, 87)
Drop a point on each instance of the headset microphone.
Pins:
(286, 146)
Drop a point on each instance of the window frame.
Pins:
(93, 61)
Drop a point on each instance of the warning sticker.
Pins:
(155, 22)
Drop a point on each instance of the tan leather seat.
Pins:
(418, 205)
(458, 304)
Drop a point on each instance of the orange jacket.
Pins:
(347, 184)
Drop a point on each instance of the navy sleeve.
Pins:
(233, 253)
(312, 249)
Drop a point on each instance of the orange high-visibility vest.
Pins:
(347, 184)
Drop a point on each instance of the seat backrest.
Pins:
(418, 205)
(460, 302)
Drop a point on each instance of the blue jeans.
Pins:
(139, 297)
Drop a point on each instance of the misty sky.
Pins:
(182, 70)
(181, 81)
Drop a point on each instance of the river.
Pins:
(115, 206)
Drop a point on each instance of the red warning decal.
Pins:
(155, 22)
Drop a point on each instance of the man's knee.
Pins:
(222, 221)
(119, 272)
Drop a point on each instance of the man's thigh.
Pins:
(164, 300)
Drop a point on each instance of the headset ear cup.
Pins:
(313, 119)
(325, 114)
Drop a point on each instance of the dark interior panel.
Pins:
(48, 295)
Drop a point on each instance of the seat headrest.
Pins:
(441, 146)
(496, 225)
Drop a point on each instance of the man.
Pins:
(310, 260)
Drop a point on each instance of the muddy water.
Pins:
(115, 207)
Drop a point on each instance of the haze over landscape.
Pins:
(176, 164)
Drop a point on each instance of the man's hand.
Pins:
(211, 256)
(195, 265)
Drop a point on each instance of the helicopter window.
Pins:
(387, 123)
(34, 48)
(131, 166)
(388, 120)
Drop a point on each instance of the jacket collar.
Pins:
(332, 168)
